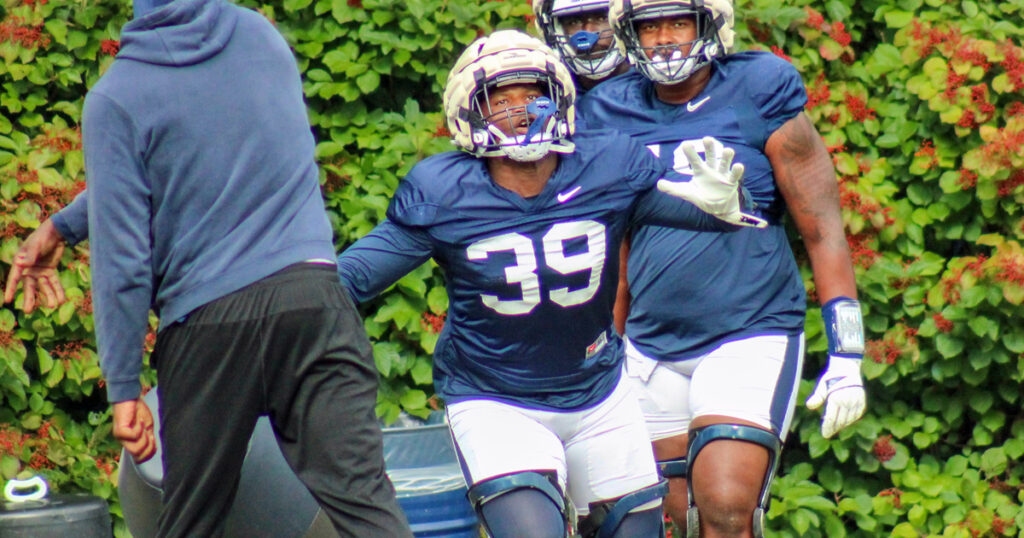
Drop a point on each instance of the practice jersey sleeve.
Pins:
(784, 99)
(392, 249)
(381, 258)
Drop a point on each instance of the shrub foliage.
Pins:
(920, 102)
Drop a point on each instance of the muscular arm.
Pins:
(803, 170)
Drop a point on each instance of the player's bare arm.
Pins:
(803, 170)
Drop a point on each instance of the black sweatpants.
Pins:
(290, 346)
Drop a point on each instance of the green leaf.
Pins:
(55, 375)
(949, 346)
(437, 300)
(45, 360)
(993, 461)
(296, 5)
(9, 466)
(368, 81)
(414, 399)
(887, 141)
(422, 372)
(831, 479)
(898, 19)
(981, 401)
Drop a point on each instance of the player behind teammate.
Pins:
(715, 328)
(579, 32)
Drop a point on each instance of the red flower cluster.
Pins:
(23, 175)
(85, 304)
(1016, 108)
(884, 451)
(838, 32)
(819, 94)
(927, 150)
(968, 179)
(1011, 270)
(942, 324)
(442, 131)
(110, 46)
(930, 36)
(69, 350)
(896, 494)
(882, 351)
(967, 53)
(13, 31)
(432, 323)
(814, 19)
(1013, 64)
(967, 120)
(1004, 146)
(859, 108)
(953, 83)
(779, 52)
(1006, 186)
(862, 254)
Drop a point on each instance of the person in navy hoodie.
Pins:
(204, 206)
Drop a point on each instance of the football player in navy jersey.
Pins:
(526, 222)
(579, 32)
(715, 326)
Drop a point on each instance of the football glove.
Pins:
(840, 388)
(715, 186)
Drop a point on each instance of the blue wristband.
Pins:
(844, 327)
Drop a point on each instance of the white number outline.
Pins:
(524, 272)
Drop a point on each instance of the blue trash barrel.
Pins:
(421, 462)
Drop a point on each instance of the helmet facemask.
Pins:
(673, 63)
(579, 50)
(544, 131)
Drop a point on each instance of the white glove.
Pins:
(715, 187)
(841, 390)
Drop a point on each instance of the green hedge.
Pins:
(921, 104)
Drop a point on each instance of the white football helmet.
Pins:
(510, 57)
(668, 65)
(577, 50)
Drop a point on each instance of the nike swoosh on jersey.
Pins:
(564, 197)
(691, 106)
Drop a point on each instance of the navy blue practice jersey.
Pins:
(693, 291)
(531, 281)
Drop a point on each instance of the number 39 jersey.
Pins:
(531, 281)
(691, 292)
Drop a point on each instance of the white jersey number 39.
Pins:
(524, 272)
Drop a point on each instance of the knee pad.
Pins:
(700, 437)
(485, 492)
(606, 516)
(677, 468)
